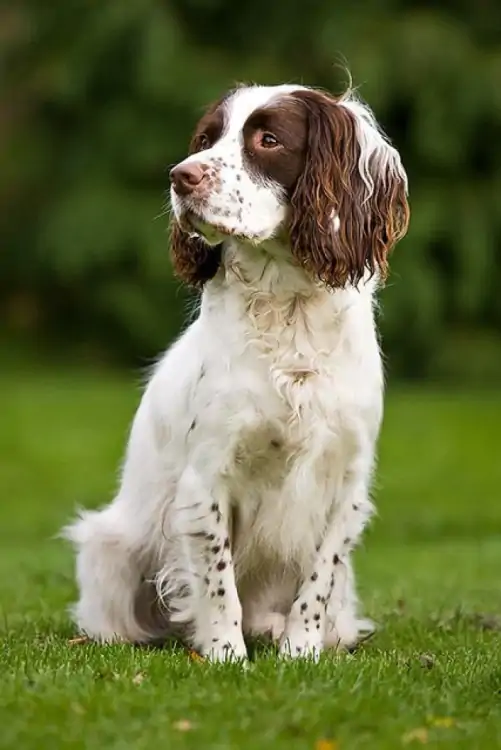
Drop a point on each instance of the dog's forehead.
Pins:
(245, 100)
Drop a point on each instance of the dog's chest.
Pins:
(295, 396)
(294, 417)
(298, 381)
(288, 459)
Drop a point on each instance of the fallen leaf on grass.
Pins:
(78, 640)
(138, 678)
(420, 734)
(183, 725)
(194, 656)
(326, 745)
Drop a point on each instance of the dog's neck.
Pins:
(270, 271)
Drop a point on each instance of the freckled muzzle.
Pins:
(215, 195)
(195, 187)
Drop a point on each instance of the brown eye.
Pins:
(203, 142)
(268, 140)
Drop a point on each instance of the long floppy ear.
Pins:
(194, 261)
(349, 206)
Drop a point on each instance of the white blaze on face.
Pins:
(243, 203)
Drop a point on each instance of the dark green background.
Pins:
(99, 98)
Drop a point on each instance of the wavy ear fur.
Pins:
(194, 261)
(349, 206)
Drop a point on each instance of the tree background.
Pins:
(98, 99)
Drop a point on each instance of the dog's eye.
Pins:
(203, 142)
(268, 140)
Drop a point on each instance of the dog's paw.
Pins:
(298, 643)
(348, 631)
(225, 649)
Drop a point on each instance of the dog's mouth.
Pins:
(213, 232)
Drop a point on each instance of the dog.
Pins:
(246, 482)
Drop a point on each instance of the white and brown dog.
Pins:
(247, 475)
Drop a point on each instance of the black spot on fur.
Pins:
(314, 576)
(214, 507)
(227, 543)
(316, 617)
(207, 580)
(211, 537)
(216, 549)
(304, 607)
(235, 623)
(221, 565)
(298, 650)
(193, 425)
(347, 540)
(221, 592)
(354, 506)
(336, 560)
(215, 640)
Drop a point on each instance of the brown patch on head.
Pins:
(275, 141)
(210, 127)
(331, 185)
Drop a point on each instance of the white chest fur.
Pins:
(292, 395)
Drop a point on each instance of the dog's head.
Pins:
(295, 164)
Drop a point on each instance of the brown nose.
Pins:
(186, 177)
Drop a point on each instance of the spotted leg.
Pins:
(307, 625)
(209, 598)
(345, 629)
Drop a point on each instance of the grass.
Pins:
(429, 573)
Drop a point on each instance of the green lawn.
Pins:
(429, 572)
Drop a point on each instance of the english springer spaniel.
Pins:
(246, 481)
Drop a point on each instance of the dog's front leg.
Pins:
(307, 626)
(204, 570)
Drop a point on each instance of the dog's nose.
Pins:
(186, 177)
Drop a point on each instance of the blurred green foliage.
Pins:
(99, 98)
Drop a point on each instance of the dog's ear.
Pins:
(194, 261)
(349, 206)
